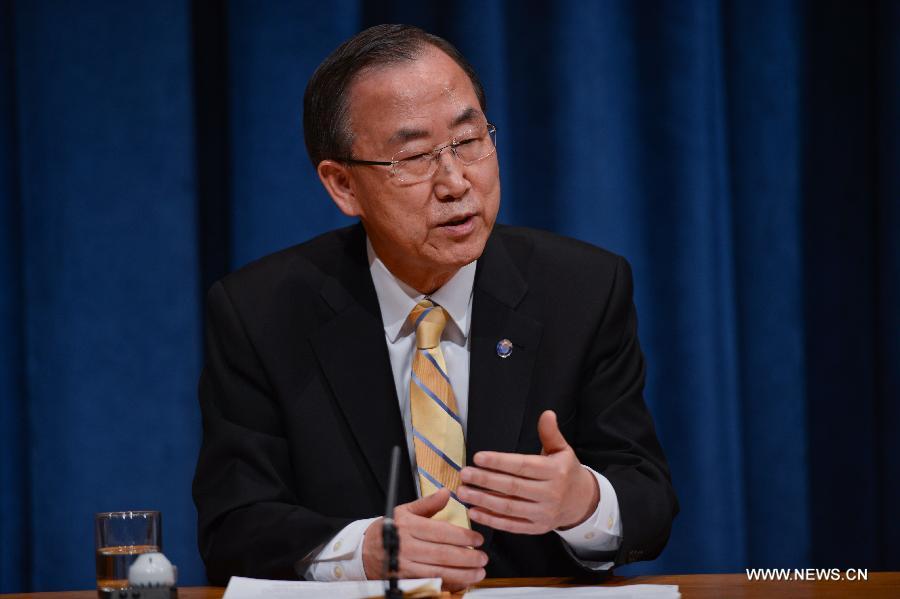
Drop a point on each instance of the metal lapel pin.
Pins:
(504, 348)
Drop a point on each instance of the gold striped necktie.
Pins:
(437, 427)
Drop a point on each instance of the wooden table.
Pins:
(692, 586)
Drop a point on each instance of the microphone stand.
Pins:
(389, 535)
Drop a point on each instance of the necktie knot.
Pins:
(429, 321)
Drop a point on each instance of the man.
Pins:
(504, 361)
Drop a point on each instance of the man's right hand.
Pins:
(428, 548)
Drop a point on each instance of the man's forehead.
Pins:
(426, 94)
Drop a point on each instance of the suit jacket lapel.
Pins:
(498, 387)
(359, 371)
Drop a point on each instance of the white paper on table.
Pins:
(633, 591)
(256, 588)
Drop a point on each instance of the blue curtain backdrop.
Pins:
(742, 155)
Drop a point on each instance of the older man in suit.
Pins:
(505, 361)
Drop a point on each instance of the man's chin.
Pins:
(461, 254)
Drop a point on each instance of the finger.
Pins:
(535, 467)
(439, 554)
(502, 522)
(429, 505)
(438, 531)
(505, 484)
(502, 504)
(552, 439)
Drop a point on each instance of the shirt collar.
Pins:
(397, 299)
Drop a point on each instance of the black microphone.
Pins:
(389, 535)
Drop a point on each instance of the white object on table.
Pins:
(255, 588)
(633, 591)
(152, 570)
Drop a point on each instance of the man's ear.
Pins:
(335, 176)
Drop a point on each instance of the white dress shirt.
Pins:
(341, 559)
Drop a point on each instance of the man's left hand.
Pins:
(530, 494)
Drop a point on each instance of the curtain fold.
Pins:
(887, 224)
(741, 155)
(15, 536)
(764, 89)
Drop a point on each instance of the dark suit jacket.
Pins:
(300, 411)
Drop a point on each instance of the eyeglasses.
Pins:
(414, 166)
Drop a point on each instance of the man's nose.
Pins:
(450, 182)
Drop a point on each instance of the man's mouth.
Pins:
(458, 221)
(460, 226)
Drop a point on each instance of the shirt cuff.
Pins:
(601, 533)
(341, 559)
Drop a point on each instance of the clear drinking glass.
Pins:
(120, 538)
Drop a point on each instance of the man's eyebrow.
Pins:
(407, 134)
(468, 115)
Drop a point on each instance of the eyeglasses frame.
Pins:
(436, 153)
